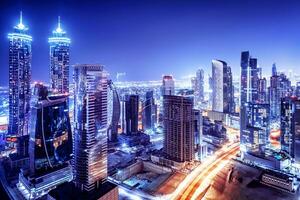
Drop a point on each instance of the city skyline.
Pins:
(119, 111)
(169, 37)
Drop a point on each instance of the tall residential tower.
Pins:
(90, 127)
(222, 87)
(19, 79)
(59, 60)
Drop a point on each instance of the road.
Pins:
(197, 187)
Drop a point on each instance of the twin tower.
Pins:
(20, 56)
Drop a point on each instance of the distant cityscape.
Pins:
(215, 135)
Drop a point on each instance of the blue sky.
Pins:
(146, 39)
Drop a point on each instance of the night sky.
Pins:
(146, 39)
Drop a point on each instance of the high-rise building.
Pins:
(249, 94)
(280, 87)
(200, 146)
(222, 87)
(290, 127)
(256, 131)
(297, 89)
(178, 128)
(90, 126)
(115, 116)
(262, 90)
(149, 111)
(274, 69)
(50, 145)
(249, 78)
(168, 85)
(198, 86)
(19, 79)
(59, 60)
(90, 142)
(132, 113)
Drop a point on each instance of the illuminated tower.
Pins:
(59, 60)
(19, 79)
(222, 88)
(168, 86)
(132, 113)
(50, 144)
(178, 128)
(90, 127)
(198, 87)
(290, 127)
(249, 94)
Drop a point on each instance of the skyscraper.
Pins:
(222, 87)
(90, 142)
(178, 128)
(249, 94)
(249, 78)
(59, 60)
(50, 145)
(115, 117)
(149, 111)
(19, 79)
(90, 127)
(262, 90)
(297, 90)
(257, 131)
(168, 86)
(132, 113)
(198, 86)
(274, 69)
(290, 127)
(280, 87)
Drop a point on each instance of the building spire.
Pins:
(59, 22)
(21, 17)
(21, 25)
(59, 29)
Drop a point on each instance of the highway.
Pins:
(197, 182)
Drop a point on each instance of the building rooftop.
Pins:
(69, 191)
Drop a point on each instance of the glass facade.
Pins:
(19, 79)
(90, 126)
(59, 60)
(50, 132)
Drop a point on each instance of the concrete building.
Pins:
(178, 128)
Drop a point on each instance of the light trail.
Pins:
(208, 173)
(208, 179)
(195, 173)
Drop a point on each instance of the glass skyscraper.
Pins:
(222, 87)
(59, 60)
(198, 87)
(115, 115)
(249, 95)
(132, 113)
(50, 131)
(90, 127)
(50, 145)
(290, 127)
(19, 79)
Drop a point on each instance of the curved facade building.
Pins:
(116, 110)
(50, 144)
